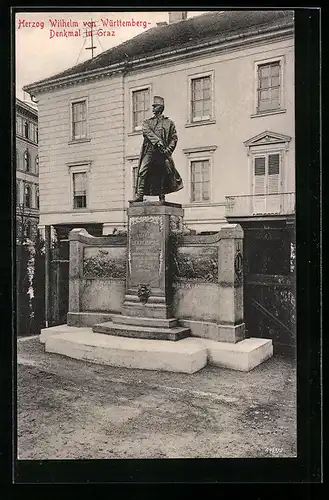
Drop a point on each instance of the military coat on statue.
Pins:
(156, 173)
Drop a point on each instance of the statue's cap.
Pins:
(158, 100)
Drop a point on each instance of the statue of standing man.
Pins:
(157, 175)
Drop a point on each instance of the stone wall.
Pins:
(206, 279)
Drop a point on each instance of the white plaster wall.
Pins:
(234, 82)
(111, 143)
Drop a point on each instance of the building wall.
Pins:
(113, 149)
(234, 84)
(23, 178)
(103, 151)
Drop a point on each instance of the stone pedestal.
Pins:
(147, 307)
(231, 326)
(148, 260)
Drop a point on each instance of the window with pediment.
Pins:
(267, 164)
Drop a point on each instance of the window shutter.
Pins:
(273, 173)
(259, 177)
(259, 185)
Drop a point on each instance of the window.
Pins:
(267, 174)
(37, 200)
(200, 180)
(26, 129)
(201, 98)
(269, 92)
(79, 120)
(18, 160)
(140, 106)
(267, 183)
(28, 196)
(18, 193)
(36, 164)
(36, 135)
(28, 229)
(200, 161)
(80, 190)
(79, 183)
(19, 126)
(27, 160)
(268, 89)
(32, 129)
(135, 169)
(269, 156)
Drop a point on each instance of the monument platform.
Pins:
(186, 356)
(128, 329)
(157, 300)
(162, 355)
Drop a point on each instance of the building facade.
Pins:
(27, 171)
(227, 79)
(228, 83)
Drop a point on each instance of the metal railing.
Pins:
(257, 205)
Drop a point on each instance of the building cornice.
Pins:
(200, 149)
(26, 109)
(27, 113)
(219, 45)
(26, 141)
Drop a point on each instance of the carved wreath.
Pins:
(238, 266)
(143, 293)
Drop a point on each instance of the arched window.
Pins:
(37, 202)
(27, 162)
(36, 164)
(28, 196)
(18, 193)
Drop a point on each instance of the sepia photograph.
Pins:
(155, 234)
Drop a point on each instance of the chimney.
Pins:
(176, 17)
(26, 97)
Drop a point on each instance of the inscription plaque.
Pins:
(145, 251)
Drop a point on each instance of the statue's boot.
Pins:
(140, 190)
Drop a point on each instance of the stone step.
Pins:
(142, 332)
(127, 352)
(148, 322)
(156, 311)
(187, 355)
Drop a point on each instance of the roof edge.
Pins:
(225, 42)
(26, 106)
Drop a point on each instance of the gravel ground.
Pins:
(69, 409)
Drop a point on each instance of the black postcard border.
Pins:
(307, 468)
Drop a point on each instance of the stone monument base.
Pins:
(143, 328)
(84, 344)
(186, 356)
